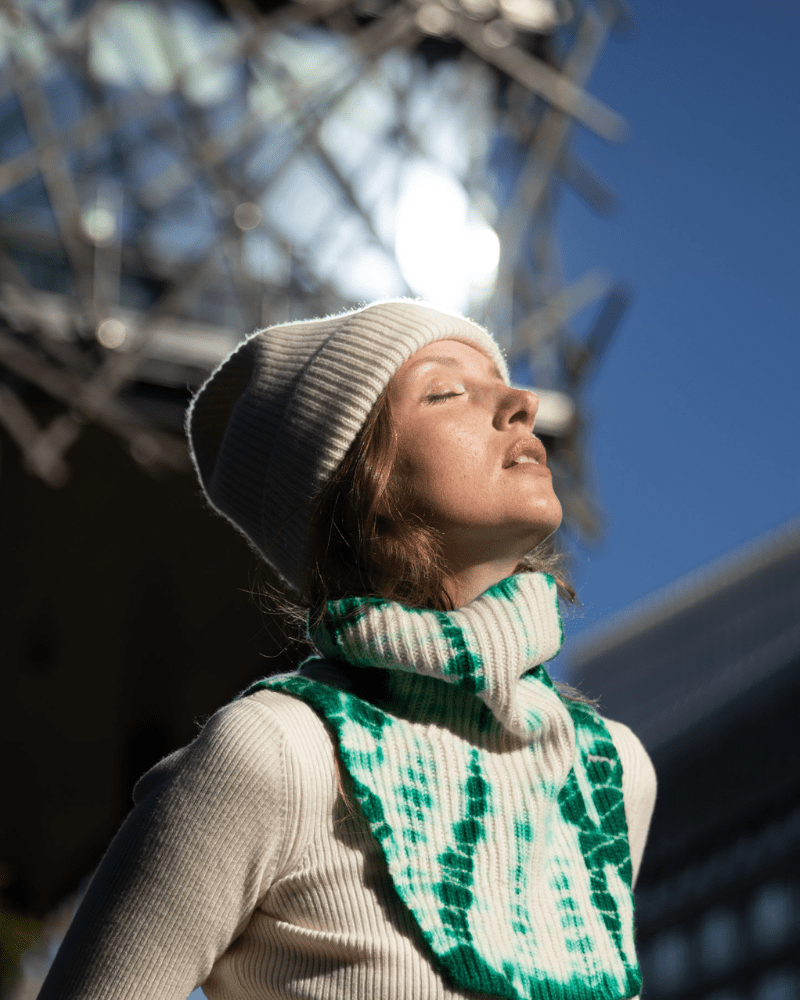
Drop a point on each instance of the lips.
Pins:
(528, 449)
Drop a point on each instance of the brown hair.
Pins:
(365, 540)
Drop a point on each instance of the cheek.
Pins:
(444, 471)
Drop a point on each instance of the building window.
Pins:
(719, 940)
(773, 914)
(780, 984)
(669, 961)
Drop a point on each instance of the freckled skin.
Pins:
(456, 420)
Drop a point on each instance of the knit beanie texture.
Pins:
(274, 420)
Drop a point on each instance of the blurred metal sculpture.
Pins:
(174, 175)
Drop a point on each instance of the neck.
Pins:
(477, 562)
(469, 582)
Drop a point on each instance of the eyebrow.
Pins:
(448, 362)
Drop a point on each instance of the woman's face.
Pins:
(466, 450)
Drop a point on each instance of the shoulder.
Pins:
(261, 739)
(638, 787)
(257, 775)
(637, 767)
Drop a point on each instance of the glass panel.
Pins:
(669, 961)
(719, 937)
(773, 914)
(782, 984)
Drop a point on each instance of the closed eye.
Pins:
(439, 397)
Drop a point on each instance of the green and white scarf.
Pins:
(497, 803)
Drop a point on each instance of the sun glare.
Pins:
(445, 251)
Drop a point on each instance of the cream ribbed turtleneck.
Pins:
(244, 869)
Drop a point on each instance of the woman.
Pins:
(416, 812)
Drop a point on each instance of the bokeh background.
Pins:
(611, 188)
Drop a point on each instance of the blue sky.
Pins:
(695, 412)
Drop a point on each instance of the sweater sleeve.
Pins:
(638, 788)
(210, 830)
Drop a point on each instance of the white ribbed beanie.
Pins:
(277, 416)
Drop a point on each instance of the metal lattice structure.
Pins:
(175, 175)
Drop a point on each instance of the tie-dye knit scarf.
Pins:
(498, 804)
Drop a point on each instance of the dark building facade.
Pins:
(707, 673)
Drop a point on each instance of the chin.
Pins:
(547, 522)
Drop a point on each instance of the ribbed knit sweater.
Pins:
(244, 869)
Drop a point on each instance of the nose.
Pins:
(516, 406)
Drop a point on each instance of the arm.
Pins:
(209, 831)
